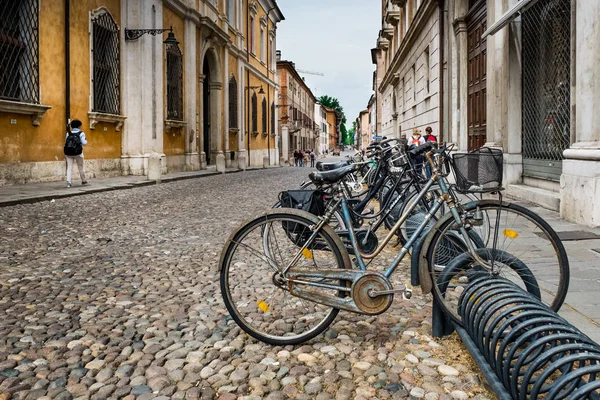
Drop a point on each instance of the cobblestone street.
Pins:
(116, 295)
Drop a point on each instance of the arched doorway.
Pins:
(206, 111)
(212, 138)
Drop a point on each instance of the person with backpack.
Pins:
(74, 142)
(429, 137)
(312, 159)
(416, 140)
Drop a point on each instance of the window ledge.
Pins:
(265, 134)
(255, 133)
(36, 111)
(171, 123)
(96, 117)
(233, 131)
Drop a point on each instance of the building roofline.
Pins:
(289, 66)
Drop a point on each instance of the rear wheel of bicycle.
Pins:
(528, 252)
(256, 293)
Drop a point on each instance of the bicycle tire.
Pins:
(539, 262)
(253, 293)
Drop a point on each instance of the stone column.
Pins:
(226, 105)
(216, 125)
(460, 83)
(201, 84)
(580, 180)
(285, 143)
(497, 79)
(143, 130)
(241, 156)
(192, 161)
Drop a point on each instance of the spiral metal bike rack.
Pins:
(525, 349)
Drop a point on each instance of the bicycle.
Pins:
(289, 287)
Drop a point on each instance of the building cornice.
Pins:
(424, 12)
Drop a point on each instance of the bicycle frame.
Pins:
(445, 197)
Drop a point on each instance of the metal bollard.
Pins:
(534, 352)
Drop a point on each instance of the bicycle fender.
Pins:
(288, 211)
(424, 275)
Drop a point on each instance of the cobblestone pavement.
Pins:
(116, 295)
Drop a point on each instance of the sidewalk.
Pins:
(36, 192)
(582, 306)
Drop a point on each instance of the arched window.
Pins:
(254, 113)
(19, 52)
(174, 83)
(233, 99)
(264, 116)
(273, 118)
(106, 70)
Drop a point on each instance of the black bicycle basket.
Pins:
(479, 170)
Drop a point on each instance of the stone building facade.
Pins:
(517, 75)
(187, 99)
(296, 104)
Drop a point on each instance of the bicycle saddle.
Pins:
(321, 166)
(331, 176)
(414, 151)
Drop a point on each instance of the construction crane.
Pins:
(310, 72)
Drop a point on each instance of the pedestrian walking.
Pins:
(300, 158)
(295, 158)
(429, 137)
(74, 142)
(416, 140)
(312, 159)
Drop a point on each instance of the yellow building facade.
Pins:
(200, 95)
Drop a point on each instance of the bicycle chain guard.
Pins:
(358, 283)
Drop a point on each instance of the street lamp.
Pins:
(134, 34)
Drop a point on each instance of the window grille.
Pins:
(273, 118)
(19, 50)
(546, 83)
(233, 98)
(174, 83)
(105, 52)
(254, 113)
(264, 116)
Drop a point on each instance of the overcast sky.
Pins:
(334, 37)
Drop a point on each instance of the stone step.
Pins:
(545, 198)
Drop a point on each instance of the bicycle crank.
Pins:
(344, 289)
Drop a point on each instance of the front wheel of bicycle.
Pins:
(257, 293)
(527, 251)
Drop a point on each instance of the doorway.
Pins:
(476, 74)
(206, 111)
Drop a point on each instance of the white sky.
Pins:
(334, 37)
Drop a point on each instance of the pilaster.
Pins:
(192, 159)
(580, 179)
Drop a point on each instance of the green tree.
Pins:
(351, 133)
(334, 103)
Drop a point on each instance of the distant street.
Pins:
(116, 295)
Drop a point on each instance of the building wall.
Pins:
(122, 143)
(410, 87)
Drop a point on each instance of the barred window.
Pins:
(233, 99)
(254, 113)
(264, 116)
(174, 83)
(273, 118)
(19, 50)
(105, 56)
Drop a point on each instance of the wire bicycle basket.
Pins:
(478, 171)
(397, 159)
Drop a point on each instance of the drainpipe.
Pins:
(442, 16)
(67, 62)
(248, 79)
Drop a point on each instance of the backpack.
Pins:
(430, 138)
(73, 146)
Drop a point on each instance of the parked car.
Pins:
(336, 152)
